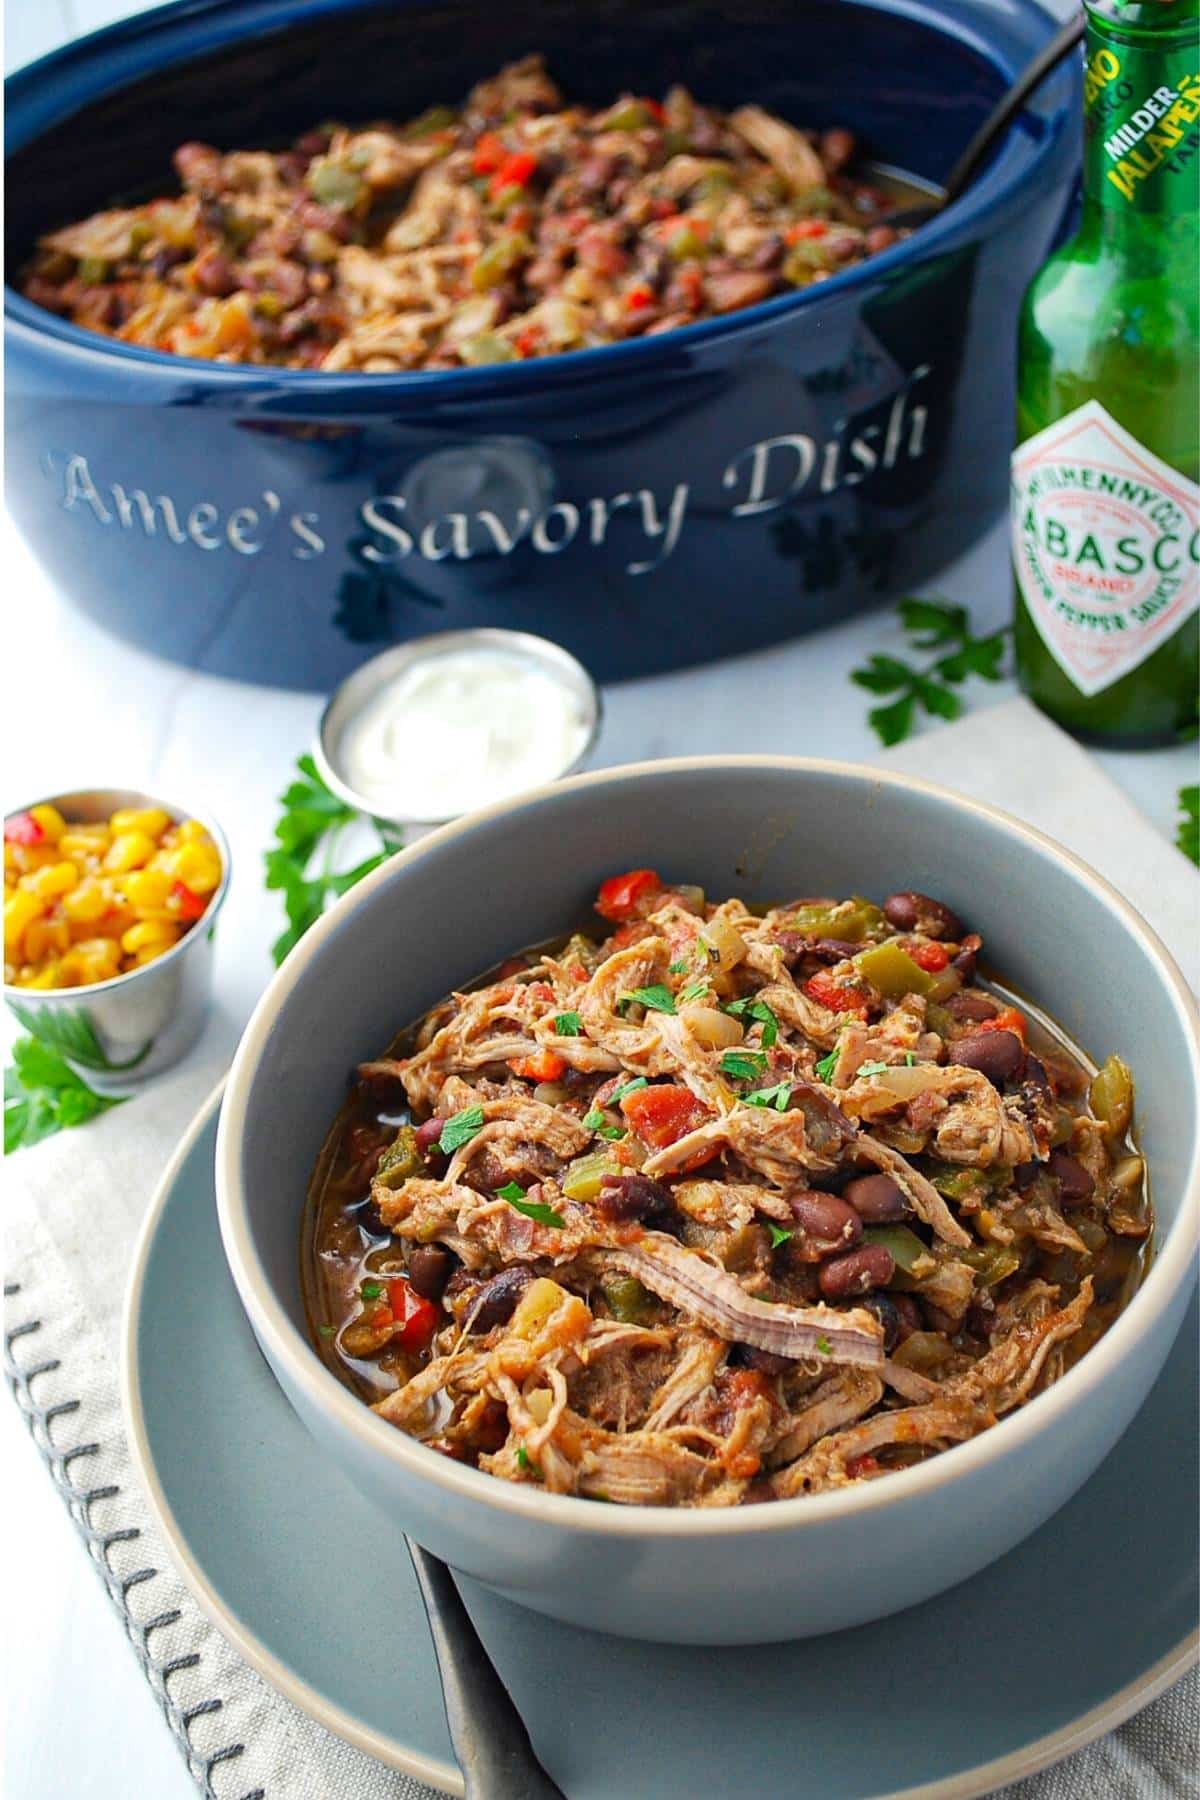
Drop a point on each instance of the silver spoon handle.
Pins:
(488, 1733)
(1059, 46)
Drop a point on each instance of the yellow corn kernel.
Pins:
(56, 879)
(199, 866)
(20, 910)
(50, 820)
(46, 937)
(30, 857)
(147, 889)
(129, 850)
(84, 840)
(191, 831)
(151, 820)
(87, 902)
(149, 954)
(147, 933)
(48, 976)
(95, 959)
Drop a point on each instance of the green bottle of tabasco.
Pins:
(1104, 496)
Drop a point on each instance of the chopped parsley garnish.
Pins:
(371, 1290)
(627, 1087)
(460, 1129)
(743, 1065)
(522, 1457)
(692, 991)
(614, 1132)
(657, 999)
(824, 1069)
(533, 1209)
(777, 1096)
(910, 1059)
(677, 968)
(568, 1024)
(594, 1119)
(778, 1235)
(824, 1345)
(750, 1008)
(873, 1068)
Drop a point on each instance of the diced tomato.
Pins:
(866, 1464)
(543, 1065)
(22, 828)
(662, 1115)
(805, 228)
(1007, 1019)
(514, 171)
(664, 208)
(577, 972)
(638, 296)
(190, 905)
(742, 1387)
(489, 153)
(838, 996)
(540, 990)
(416, 1316)
(619, 895)
(527, 341)
(656, 107)
(927, 955)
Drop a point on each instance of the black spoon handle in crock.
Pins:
(981, 145)
(488, 1733)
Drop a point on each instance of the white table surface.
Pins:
(83, 708)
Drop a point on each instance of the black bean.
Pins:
(634, 1197)
(884, 1308)
(747, 1356)
(973, 1008)
(496, 1301)
(370, 1218)
(1075, 1185)
(1024, 1176)
(876, 1198)
(910, 911)
(1000, 1055)
(825, 1224)
(869, 1266)
(968, 956)
(429, 1269)
(428, 1134)
(908, 1314)
(832, 950)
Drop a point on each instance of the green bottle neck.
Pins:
(1142, 110)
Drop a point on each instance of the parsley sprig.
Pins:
(43, 1094)
(1187, 834)
(514, 1193)
(931, 625)
(313, 820)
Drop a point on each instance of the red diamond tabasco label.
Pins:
(1106, 543)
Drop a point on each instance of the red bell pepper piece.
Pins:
(22, 828)
(489, 153)
(638, 296)
(190, 905)
(619, 895)
(416, 1316)
(805, 228)
(514, 171)
(1007, 1019)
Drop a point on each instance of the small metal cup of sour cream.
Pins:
(443, 725)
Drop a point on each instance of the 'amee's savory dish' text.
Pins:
(724, 1207)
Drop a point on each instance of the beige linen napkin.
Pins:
(74, 1204)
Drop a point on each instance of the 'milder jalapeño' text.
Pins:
(1158, 130)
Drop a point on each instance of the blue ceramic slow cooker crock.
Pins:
(648, 505)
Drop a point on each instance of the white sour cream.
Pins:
(459, 731)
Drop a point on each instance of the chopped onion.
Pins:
(727, 941)
(708, 1026)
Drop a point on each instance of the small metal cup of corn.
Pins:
(111, 899)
